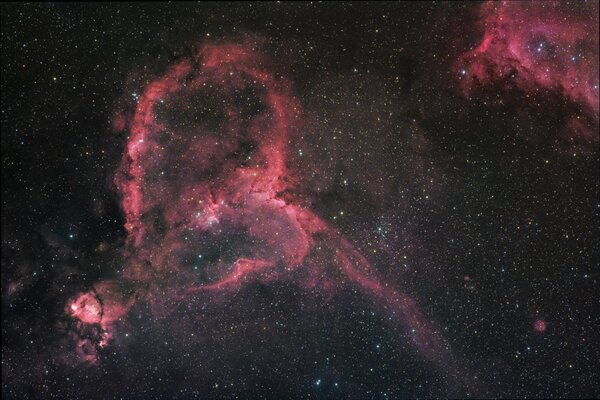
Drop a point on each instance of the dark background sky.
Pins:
(494, 211)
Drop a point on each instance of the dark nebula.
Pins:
(298, 200)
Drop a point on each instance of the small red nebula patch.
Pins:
(540, 325)
(119, 122)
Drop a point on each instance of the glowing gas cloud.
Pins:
(206, 163)
(536, 46)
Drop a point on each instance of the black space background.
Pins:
(514, 210)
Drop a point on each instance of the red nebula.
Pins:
(188, 182)
(536, 45)
(87, 308)
(540, 325)
(97, 311)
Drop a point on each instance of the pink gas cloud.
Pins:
(187, 181)
(536, 46)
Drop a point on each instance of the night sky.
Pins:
(300, 200)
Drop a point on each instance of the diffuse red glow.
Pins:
(540, 325)
(181, 183)
(97, 311)
(536, 45)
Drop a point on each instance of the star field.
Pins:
(300, 200)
